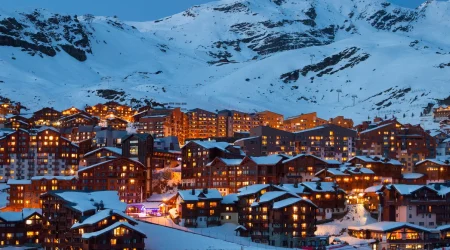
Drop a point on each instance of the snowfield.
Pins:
(287, 56)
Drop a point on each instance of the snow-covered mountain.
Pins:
(289, 56)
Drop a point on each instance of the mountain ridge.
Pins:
(287, 56)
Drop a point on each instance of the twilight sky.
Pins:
(128, 10)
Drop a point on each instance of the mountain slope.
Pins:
(287, 56)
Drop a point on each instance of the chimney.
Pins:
(296, 184)
(205, 190)
(109, 136)
(193, 191)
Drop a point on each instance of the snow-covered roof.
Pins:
(324, 186)
(333, 162)
(240, 227)
(112, 227)
(355, 170)
(376, 128)
(161, 197)
(267, 160)
(443, 227)
(373, 189)
(19, 216)
(18, 182)
(437, 161)
(111, 149)
(85, 201)
(230, 199)
(199, 194)
(303, 155)
(269, 196)
(252, 189)
(386, 226)
(411, 176)
(405, 189)
(291, 188)
(101, 215)
(290, 201)
(62, 178)
(308, 130)
(333, 171)
(135, 161)
(372, 159)
(247, 138)
(211, 144)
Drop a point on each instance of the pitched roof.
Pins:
(18, 182)
(300, 189)
(247, 138)
(376, 128)
(252, 189)
(267, 160)
(211, 144)
(230, 199)
(112, 227)
(303, 155)
(386, 226)
(290, 201)
(199, 194)
(324, 186)
(101, 215)
(62, 178)
(111, 149)
(374, 189)
(412, 176)
(405, 189)
(86, 201)
(110, 162)
(269, 196)
(19, 216)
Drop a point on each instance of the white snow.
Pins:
(357, 216)
(18, 182)
(252, 189)
(65, 178)
(411, 176)
(267, 160)
(386, 226)
(230, 199)
(19, 216)
(188, 196)
(101, 215)
(268, 196)
(112, 227)
(111, 149)
(85, 201)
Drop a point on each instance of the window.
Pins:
(113, 241)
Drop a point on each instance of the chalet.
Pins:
(18, 122)
(88, 220)
(199, 207)
(116, 123)
(392, 235)
(423, 205)
(197, 154)
(303, 167)
(100, 155)
(228, 175)
(351, 179)
(128, 177)
(229, 212)
(413, 179)
(328, 141)
(386, 170)
(45, 116)
(76, 120)
(20, 228)
(71, 111)
(435, 170)
(26, 193)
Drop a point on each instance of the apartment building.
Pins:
(202, 124)
(265, 140)
(386, 170)
(24, 154)
(328, 141)
(302, 122)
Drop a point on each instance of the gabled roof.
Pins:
(267, 160)
(228, 162)
(324, 186)
(435, 161)
(252, 189)
(269, 196)
(230, 199)
(141, 136)
(210, 144)
(412, 176)
(247, 138)
(374, 159)
(111, 162)
(333, 171)
(19, 216)
(86, 201)
(187, 195)
(376, 128)
(62, 178)
(111, 149)
(101, 215)
(110, 228)
(304, 155)
(300, 189)
(405, 189)
(374, 189)
(290, 201)
(388, 226)
(18, 182)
